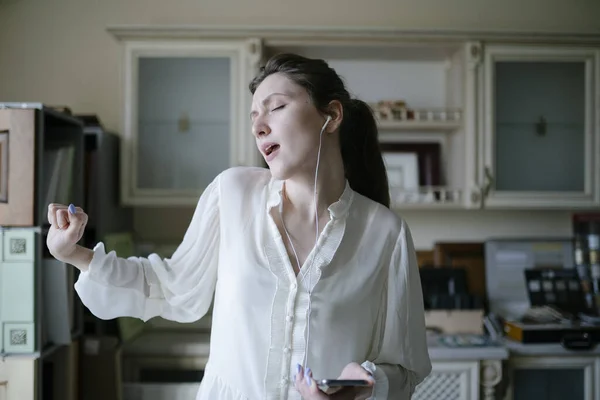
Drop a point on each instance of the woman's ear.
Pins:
(336, 111)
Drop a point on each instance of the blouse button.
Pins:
(289, 318)
(284, 381)
(286, 350)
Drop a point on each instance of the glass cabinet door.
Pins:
(550, 384)
(186, 117)
(183, 124)
(553, 378)
(540, 127)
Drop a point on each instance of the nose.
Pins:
(260, 127)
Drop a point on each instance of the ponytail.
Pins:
(363, 162)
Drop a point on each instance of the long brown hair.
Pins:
(363, 163)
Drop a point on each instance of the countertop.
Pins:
(467, 353)
(441, 348)
(548, 350)
(162, 343)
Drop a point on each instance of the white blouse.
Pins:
(366, 302)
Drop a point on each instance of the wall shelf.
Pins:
(412, 126)
(407, 119)
(427, 197)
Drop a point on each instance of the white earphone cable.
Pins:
(315, 250)
(309, 270)
(370, 369)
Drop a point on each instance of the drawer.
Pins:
(17, 167)
(160, 391)
(19, 378)
(18, 245)
(18, 338)
(17, 292)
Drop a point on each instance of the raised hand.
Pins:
(67, 224)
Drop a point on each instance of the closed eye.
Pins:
(278, 108)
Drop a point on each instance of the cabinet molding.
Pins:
(278, 34)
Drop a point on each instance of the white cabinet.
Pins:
(462, 373)
(18, 378)
(539, 141)
(186, 117)
(450, 381)
(509, 121)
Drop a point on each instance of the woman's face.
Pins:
(286, 126)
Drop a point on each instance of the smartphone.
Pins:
(329, 385)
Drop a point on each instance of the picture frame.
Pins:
(403, 170)
(428, 156)
(403, 176)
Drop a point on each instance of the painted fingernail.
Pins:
(308, 371)
(71, 208)
(298, 368)
(307, 380)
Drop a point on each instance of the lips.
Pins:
(269, 150)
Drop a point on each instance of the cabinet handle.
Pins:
(487, 185)
(489, 180)
(4, 166)
(541, 127)
(476, 197)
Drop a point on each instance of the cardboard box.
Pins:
(455, 321)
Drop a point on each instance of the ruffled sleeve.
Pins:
(403, 361)
(179, 288)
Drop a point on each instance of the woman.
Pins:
(313, 276)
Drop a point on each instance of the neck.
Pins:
(331, 181)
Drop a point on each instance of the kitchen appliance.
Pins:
(506, 261)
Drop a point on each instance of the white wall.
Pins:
(58, 52)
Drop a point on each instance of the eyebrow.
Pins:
(267, 99)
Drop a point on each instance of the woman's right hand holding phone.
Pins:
(307, 386)
(67, 225)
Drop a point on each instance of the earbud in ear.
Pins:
(326, 122)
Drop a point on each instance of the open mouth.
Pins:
(271, 149)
